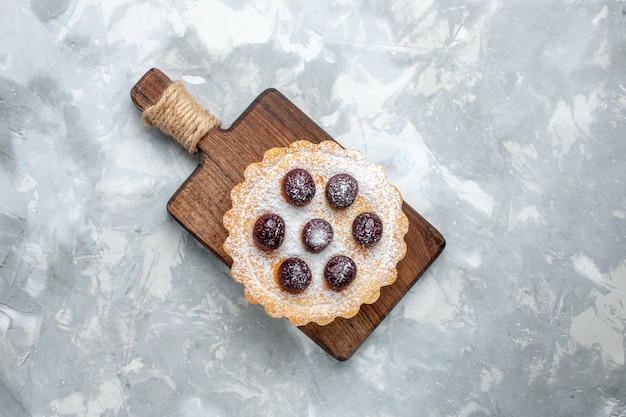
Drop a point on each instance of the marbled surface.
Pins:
(502, 122)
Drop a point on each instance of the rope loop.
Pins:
(178, 115)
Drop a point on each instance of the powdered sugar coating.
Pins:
(298, 186)
(261, 193)
(294, 275)
(341, 190)
(317, 234)
(269, 231)
(339, 272)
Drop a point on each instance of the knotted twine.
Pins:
(178, 115)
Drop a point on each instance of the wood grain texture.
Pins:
(200, 203)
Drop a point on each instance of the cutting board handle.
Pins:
(168, 105)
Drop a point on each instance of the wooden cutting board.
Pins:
(200, 203)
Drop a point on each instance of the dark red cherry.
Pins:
(339, 272)
(367, 229)
(298, 187)
(317, 234)
(294, 275)
(341, 190)
(269, 231)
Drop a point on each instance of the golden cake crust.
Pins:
(260, 193)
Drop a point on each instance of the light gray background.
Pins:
(502, 122)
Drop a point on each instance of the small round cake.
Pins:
(315, 231)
